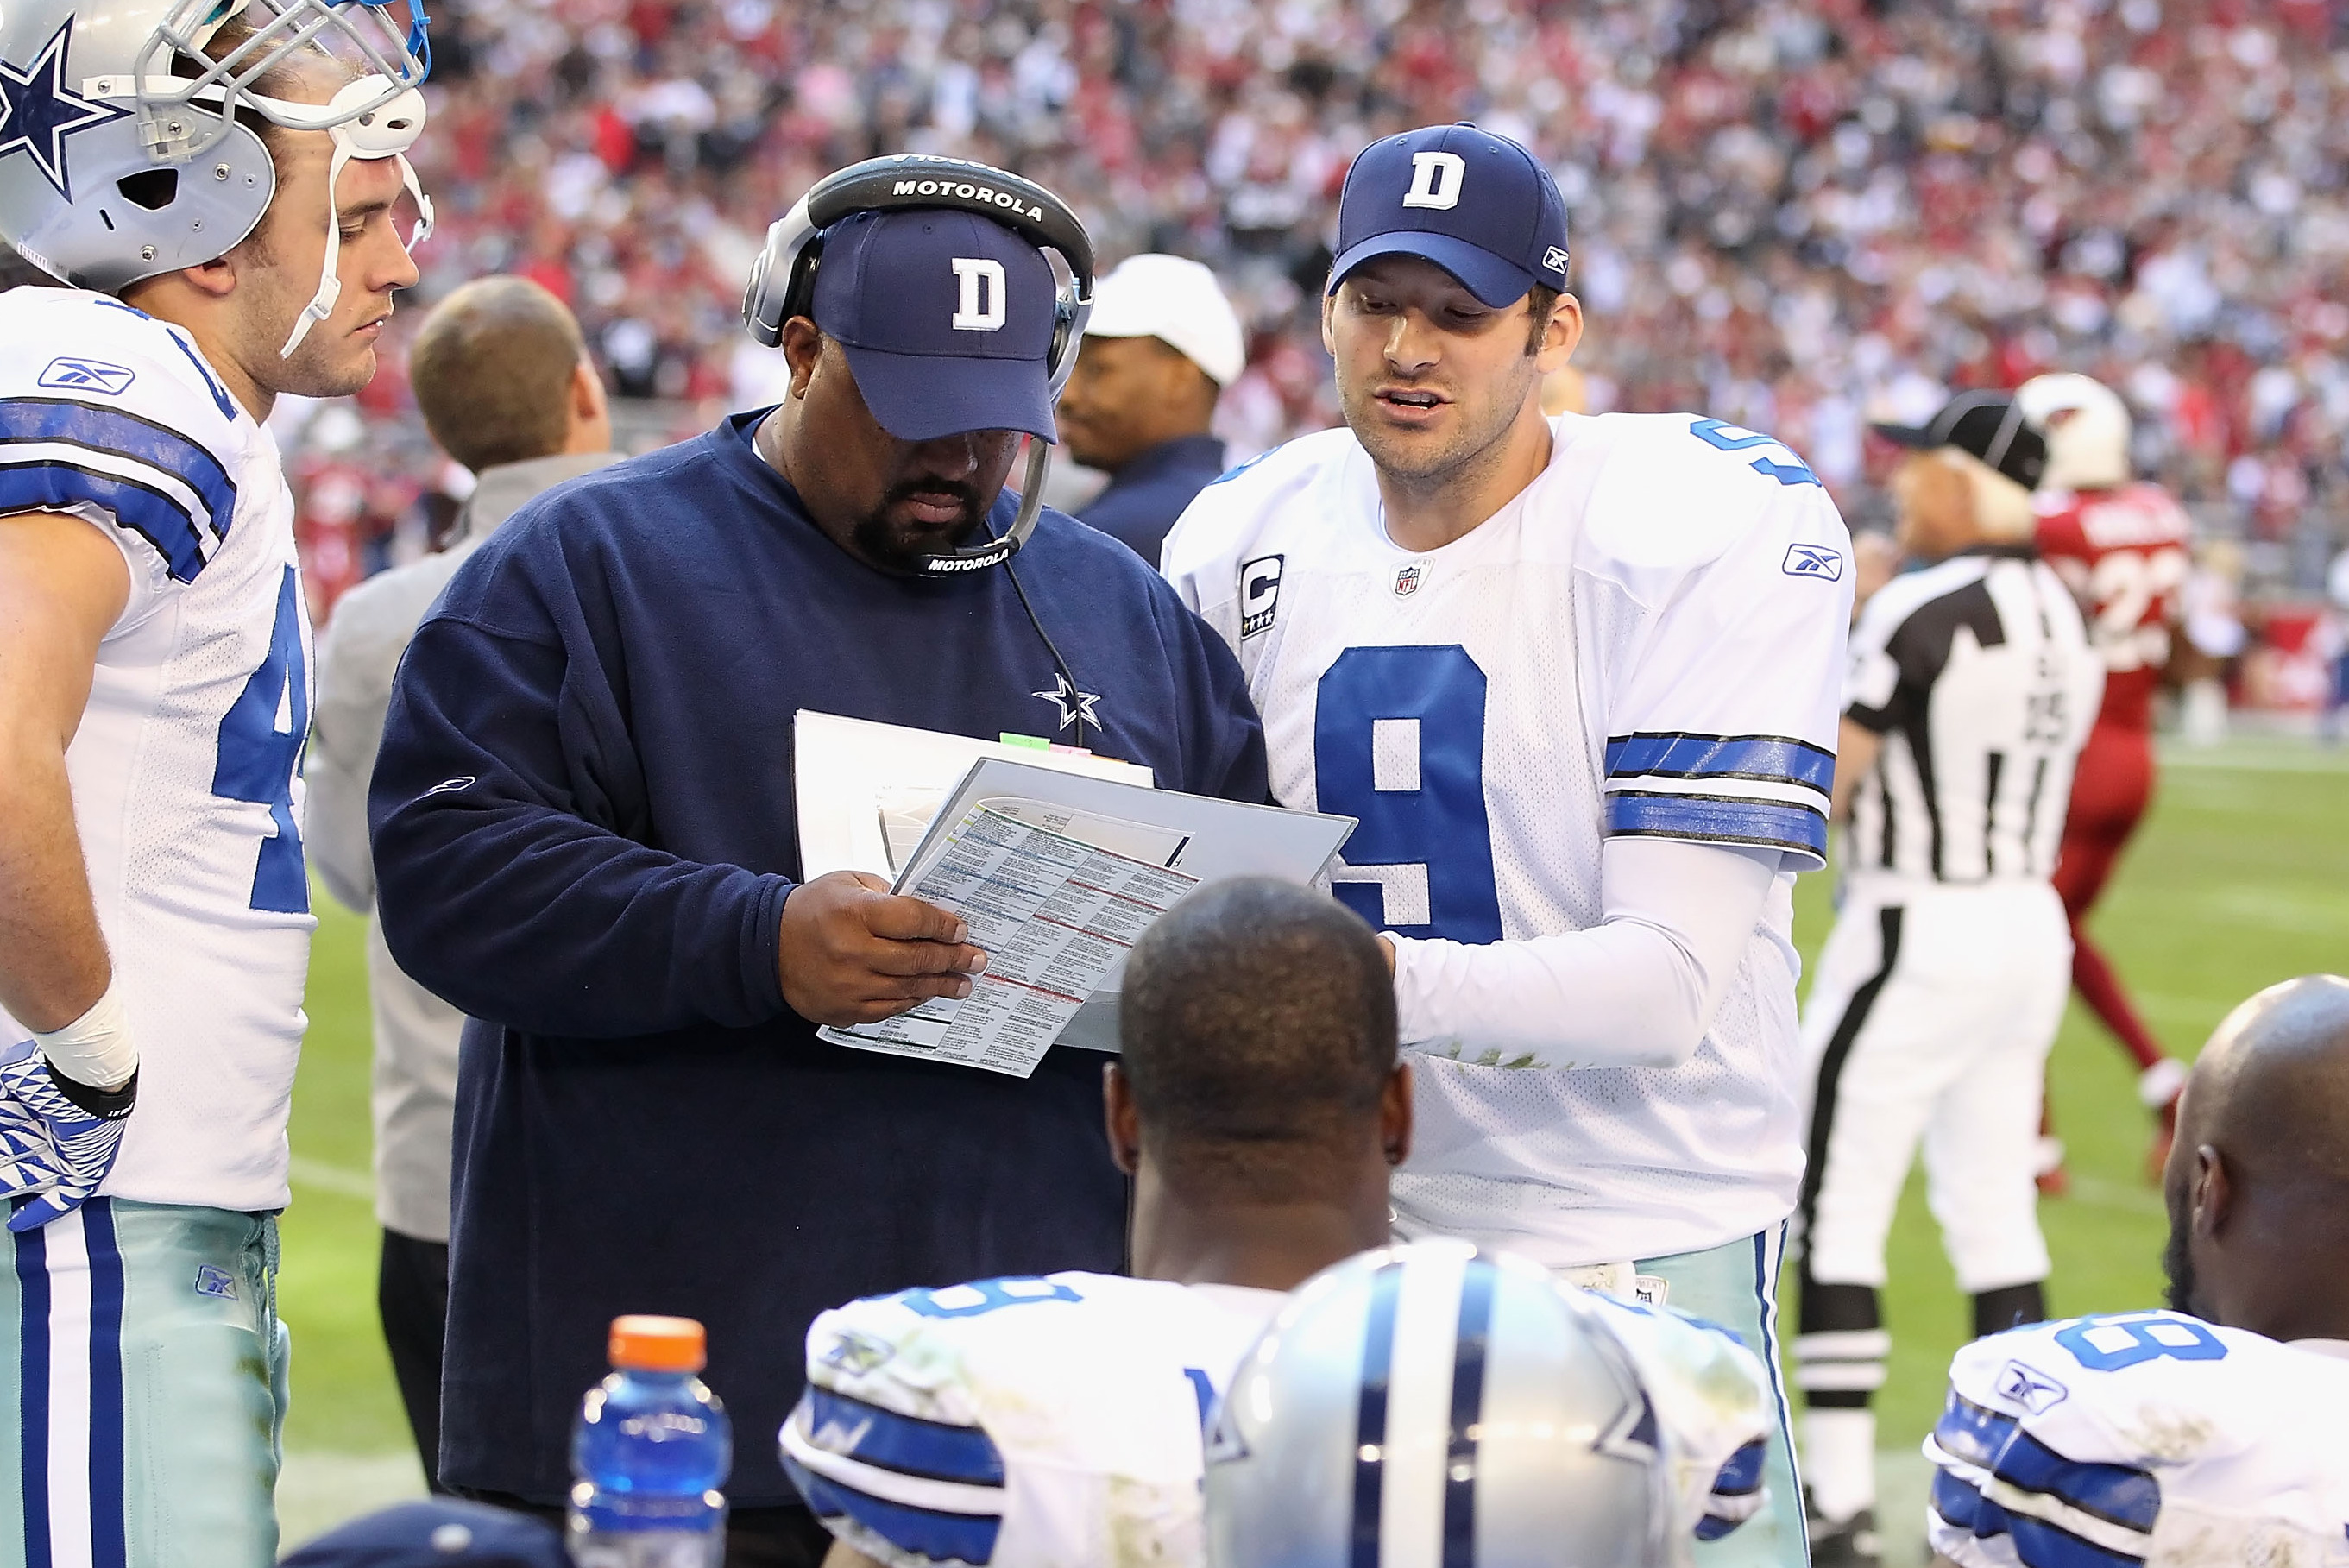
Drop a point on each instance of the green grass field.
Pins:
(2239, 879)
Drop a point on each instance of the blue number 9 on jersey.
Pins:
(1729, 438)
(1399, 743)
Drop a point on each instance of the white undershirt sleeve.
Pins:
(1636, 990)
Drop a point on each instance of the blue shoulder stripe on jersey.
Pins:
(78, 424)
(1742, 1476)
(1973, 1432)
(154, 516)
(2120, 1494)
(1775, 758)
(872, 1435)
(1716, 818)
(2039, 1544)
(1960, 1503)
(926, 1533)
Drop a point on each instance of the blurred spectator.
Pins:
(502, 375)
(2336, 592)
(1160, 346)
(1793, 217)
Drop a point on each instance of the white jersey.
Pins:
(1024, 1423)
(1647, 641)
(185, 788)
(1060, 1422)
(2142, 1437)
(1713, 1404)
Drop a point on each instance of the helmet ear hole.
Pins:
(153, 189)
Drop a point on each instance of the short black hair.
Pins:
(1258, 1025)
(1541, 300)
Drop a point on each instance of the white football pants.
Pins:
(1932, 1015)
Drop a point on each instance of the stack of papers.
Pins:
(1058, 875)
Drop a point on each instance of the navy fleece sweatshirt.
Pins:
(584, 834)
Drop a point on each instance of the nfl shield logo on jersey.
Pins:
(1407, 580)
(2034, 1391)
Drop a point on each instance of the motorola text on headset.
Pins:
(783, 283)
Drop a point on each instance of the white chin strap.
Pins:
(385, 132)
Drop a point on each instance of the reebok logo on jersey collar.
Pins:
(72, 373)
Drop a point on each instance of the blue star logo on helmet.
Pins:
(39, 111)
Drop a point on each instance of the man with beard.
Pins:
(1577, 677)
(584, 836)
(2217, 1431)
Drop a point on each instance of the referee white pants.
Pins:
(1932, 1015)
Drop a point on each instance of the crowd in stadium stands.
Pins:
(1793, 216)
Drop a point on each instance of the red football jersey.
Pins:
(2124, 552)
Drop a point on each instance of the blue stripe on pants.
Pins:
(108, 1541)
(33, 1392)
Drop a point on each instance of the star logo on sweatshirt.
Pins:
(1070, 702)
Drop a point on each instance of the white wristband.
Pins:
(94, 1048)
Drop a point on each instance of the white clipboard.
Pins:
(850, 775)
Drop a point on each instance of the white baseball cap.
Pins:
(1178, 302)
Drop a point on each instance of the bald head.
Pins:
(2258, 1180)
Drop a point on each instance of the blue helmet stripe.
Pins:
(1467, 1412)
(1370, 1421)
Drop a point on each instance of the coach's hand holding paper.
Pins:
(1057, 875)
(851, 952)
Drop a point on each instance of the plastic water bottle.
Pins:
(650, 1449)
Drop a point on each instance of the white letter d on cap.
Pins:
(982, 307)
(1435, 180)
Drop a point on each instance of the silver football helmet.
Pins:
(120, 152)
(1433, 1404)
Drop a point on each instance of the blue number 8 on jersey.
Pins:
(2119, 1340)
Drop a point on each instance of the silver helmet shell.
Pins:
(2087, 430)
(115, 165)
(1431, 1404)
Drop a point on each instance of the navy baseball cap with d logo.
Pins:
(945, 317)
(1477, 205)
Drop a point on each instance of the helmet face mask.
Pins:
(139, 167)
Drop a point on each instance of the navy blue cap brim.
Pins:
(1497, 283)
(923, 396)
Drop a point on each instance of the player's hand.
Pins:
(851, 952)
(57, 1138)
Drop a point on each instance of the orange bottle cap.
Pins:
(643, 1343)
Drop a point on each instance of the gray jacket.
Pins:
(416, 1033)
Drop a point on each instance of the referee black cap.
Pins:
(1986, 425)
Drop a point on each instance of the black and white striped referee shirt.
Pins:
(1978, 674)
